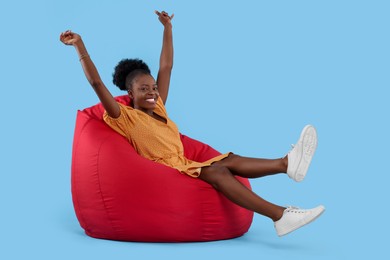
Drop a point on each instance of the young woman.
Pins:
(148, 128)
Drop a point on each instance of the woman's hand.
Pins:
(70, 38)
(164, 18)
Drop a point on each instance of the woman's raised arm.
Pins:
(166, 57)
(90, 71)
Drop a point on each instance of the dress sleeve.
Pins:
(160, 108)
(122, 124)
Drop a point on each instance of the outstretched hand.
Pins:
(69, 38)
(164, 17)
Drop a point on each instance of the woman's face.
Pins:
(144, 93)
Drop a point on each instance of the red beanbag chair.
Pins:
(119, 195)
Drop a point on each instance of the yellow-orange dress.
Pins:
(156, 140)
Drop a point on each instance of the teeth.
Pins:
(150, 100)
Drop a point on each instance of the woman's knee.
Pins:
(215, 175)
(229, 161)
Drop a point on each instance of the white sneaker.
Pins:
(294, 218)
(300, 156)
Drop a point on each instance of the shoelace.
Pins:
(294, 209)
(308, 148)
(292, 147)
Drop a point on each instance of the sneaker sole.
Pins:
(309, 146)
(318, 212)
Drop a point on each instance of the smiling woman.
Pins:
(144, 122)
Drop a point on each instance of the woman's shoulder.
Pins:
(126, 112)
(160, 108)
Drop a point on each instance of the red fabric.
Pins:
(120, 195)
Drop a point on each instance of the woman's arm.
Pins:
(166, 57)
(90, 71)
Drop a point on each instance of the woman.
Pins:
(148, 128)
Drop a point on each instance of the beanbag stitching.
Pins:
(76, 197)
(100, 187)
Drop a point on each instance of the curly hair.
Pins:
(126, 70)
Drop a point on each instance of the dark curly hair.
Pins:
(126, 70)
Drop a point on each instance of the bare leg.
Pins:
(253, 167)
(224, 181)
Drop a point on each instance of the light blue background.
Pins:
(248, 76)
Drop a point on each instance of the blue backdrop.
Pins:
(248, 75)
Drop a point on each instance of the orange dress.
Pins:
(154, 139)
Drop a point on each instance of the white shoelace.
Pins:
(292, 147)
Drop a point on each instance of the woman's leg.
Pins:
(224, 181)
(285, 220)
(252, 167)
(295, 164)
(221, 176)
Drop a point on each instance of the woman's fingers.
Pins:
(68, 37)
(65, 34)
(164, 14)
(65, 37)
